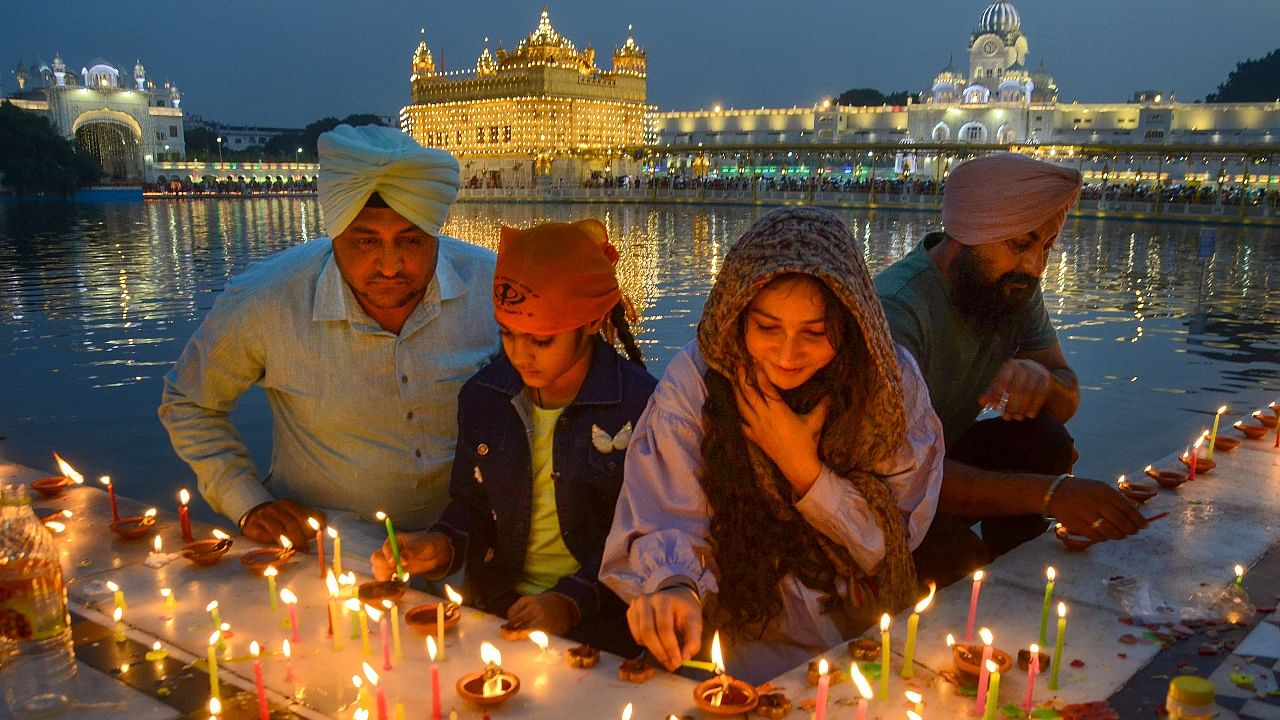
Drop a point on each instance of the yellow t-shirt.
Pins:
(547, 558)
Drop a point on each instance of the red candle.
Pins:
(184, 515)
(288, 661)
(264, 713)
(973, 605)
(385, 633)
(1033, 669)
(435, 679)
(111, 495)
(1195, 456)
(379, 697)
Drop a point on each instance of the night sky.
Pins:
(288, 62)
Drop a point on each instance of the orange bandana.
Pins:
(554, 277)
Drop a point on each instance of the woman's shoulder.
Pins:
(682, 389)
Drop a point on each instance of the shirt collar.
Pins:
(602, 386)
(332, 291)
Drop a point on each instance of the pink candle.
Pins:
(1032, 670)
(1195, 456)
(864, 689)
(288, 661)
(184, 515)
(862, 709)
(264, 713)
(111, 495)
(973, 605)
(435, 679)
(291, 601)
(386, 642)
(319, 543)
(824, 683)
(983, 676)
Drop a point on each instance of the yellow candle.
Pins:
(395, 627)
(169, 600)
(1057, 646)
(118, 593)
(214, 639)
(271, 573)
(1213, 437)
(157, 652)
(364, 631)
(884, 655)
(913, 623)
(118, 616)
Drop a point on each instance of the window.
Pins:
(1153, 135)
(457, 137)
(493, 134)
(173, 131)
(506, 133)
(480, 136)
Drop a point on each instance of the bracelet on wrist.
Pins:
(1048, 494)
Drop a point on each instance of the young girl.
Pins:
(786, 465)
(542, 435)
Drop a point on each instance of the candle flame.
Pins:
(105, 480)
(431, 648)
(370, 673)
(1062, 609)
(452, 594)
(150, 513)
(924, 604)
(331, 582)
(55, 526)
(1121, 482)
(992, 666)
(380, 515)
(986, 636)
(884, 622)
(352, 604)
(67, 471)
(387, 604)
(215, 637)
(978, 575)
(287, 648)
(225, 627)
(1237, 424)
(1222, 409)
(717, 657)
(220, 535)
(490, 654)
(213, 605)
(357, 681)
(118, 614)
(156, 543)
(864, 687)
(951, 640)
(823, 667)
(184, 497)
(1050, 573)
(374, 613)
(155, 645)
(165, 592)
(914, 697)
(287, 597)
(912, 715)
(1035, 649)
(315, 525)
(254, 649)
(271, 571)
(285, 542)
(1239, 571)
(112, 586)
(333, 532)
(626, 712)
(215, 706)
(362, 714)
(347, 578)
(1146, 469)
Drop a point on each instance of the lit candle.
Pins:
(337, 549)
(1051, 575)
(626, 712)
(824, 684)
(973, 605)
(169, 600)
(331, 583)
(864, 689)
(157, 652)
(1239, 576)
(111, 495)
(1057, 646)
(916, 700)
(984, 675)
(443, 609)
(315, 525)
(391, 538)
(157, 546)
(212, 609)
(361, 698)
(1195, 460)
(263, 712)
(270, 574)
(381, 618)
(399, 711)
(214, 640)
(435, 678)
(1213, 436)
(1033, 669)
(379, 697)
(287, 649)
(184, 515)
(353, 605)
(539, 638)
(215, 708)
(118, 594)
(913, 623)
(291, 601)
(993, 692)
(913, 715)
(884, 655)
(394, 610)
(118, 616)
(492, 670)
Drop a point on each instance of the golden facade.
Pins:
(542, 101)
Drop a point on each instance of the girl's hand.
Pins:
(548, 611)
(420, 552)
(790, 440)
(668, 623)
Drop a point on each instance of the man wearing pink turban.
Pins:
(967, 304)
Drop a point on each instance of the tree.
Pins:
(1251, 81)
(35, 159)
(287, 144)
(871, 96)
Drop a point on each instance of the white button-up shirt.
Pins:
(362, 419)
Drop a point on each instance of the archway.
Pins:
(116, 148)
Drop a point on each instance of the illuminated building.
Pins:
(542, 111)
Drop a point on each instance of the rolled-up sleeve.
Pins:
(834, 506)
(661, 524)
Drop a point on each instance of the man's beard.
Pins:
(991, 305)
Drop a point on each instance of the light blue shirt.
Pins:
(362, 419)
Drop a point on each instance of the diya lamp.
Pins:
(376, 591)
(209, 551)
(134, 527)
(969, 658)
(53, 519)
(492, 685)
(724, 695)
(426, 619)
(111, 496)
(1137, 492)
(184, 514)
(54, 485)
(1253, 432)
(259, 560)
(1169, 479)
(1264, 419)
(1073, 542)
(1197, 463)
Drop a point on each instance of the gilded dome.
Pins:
(545, 36)
(1000, 17)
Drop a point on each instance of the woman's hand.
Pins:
(668, 623)
(790, 440)
(548, 611)
(420, 552)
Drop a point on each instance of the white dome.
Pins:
(1000, 17)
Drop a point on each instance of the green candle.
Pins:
(214, 639)
(1057, 646)
(1051, 574)
(391, 537)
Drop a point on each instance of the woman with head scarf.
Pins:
(786, 465)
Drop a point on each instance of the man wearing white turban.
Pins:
(361, 343)
(967, 304)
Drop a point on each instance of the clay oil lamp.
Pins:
(1024, 660)
(1073, 542)
(1137, 492)
(1197, 462)
(864, 650)
(1253, 432)
(968, 658)
(133, 528)
(54, 485)
(263, 558)
(374, 592)
(53, 519)
(1265, 419)
(1225, 444)
(209, 551)
(490, 686)
(422, 618)
(724, 695)
(1167, 478)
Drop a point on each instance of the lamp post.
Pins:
(166, 152)
(219, 151)
(297, 155)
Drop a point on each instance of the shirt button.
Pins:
(482, 449)
(417, 453)
(404, 378)
(409, 415)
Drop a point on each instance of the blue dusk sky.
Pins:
(288, 62)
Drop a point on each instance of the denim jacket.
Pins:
(491, 487)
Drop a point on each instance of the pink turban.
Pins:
(1006, 195)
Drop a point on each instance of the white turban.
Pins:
(355, 162)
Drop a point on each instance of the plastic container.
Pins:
(1190, 697)
(37, 662)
